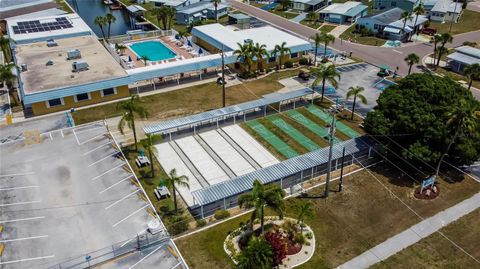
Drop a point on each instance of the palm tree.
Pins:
(260, 51)
(472, 72)
(130, 108)
(5, 45)
(317, 39)
(170, 12)
(326, 39)
(6, 74)
(303, 210)
(280, 51)
(145, 59)
(462, 119)
(405, 17)
(356, 92)
(100, 22)
(148, 145)
(160, 15)
(418, 10)
(257, 255)
(411, 59)
(121, 48)
(182, 34)
(261, 197)
(215, 4)
(325, 73)
(446, 38)
(110, 19)
(174, 180)
(312, 16)
(244, 54)
(435, 39)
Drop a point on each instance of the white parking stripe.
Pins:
(76, 137)
(18, 188)
(22, 239)
(89, 130)
(108, 171)
(16, 175)
(135, 212)
(116, 184)
(26, 260)
(125, 197)
(104, 158)
(20, 203)
(17, 220)
(148, 255)
(93, 138)
(90, 151)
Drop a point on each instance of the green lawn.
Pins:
(285, 14)
(348, 223)
(468, 22)
(365, 40)
(192, 99)
(327, 28)
(436, 251)
(311, 24)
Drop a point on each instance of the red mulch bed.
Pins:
(424, 196)
(293, 248)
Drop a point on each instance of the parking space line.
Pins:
(61, 132)
(18, 188)
(146, 256)
(22, 239)
(104, 158)
(130, 240)
(135, 212)
(108, 171)
(76, 137)
(89, 130)
(178, 264)
(17, 220)
(51, 137)
(115, 184)
(20, 203)
(93, 138)
(16, 175)
(123, 198)
(90, 151)
(27, 259)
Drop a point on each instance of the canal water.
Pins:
(89, 9)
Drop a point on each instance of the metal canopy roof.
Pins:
(275, 172)
(165, 126)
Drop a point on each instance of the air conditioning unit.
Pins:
(51, 43)
(79, 66)
(24, 67)
(73, 54)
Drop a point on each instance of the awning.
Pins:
(391, 30)
(196, 15)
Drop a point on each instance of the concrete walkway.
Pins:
(337, 31)
(300, 17)
(413, 234)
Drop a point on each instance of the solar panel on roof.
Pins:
(37, 26)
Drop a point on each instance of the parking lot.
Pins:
(64, 194)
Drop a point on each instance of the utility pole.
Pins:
(341, 171)
(223, 78)
(330, 152)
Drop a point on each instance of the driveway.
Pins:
(475, 6)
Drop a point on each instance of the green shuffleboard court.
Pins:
(312, 126)
(271, 138)
(328, 118)
(294, 133)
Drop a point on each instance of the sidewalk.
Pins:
(413, 234)
(300, 17)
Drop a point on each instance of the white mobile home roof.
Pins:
(340, 8)
(447, 6)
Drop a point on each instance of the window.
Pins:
(109, 91)
(272, 59)
(394, 4)
(82, 97)
(375, 26)
(55, 102)
(294, 55)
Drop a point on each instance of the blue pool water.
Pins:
(154, 50)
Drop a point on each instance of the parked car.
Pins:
(304, 74)
(429, 31)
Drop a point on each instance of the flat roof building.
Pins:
(445, 10)
(347, 12)
(462, 57)
(199, 11)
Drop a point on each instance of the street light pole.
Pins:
(223, 78)
(330, 152)
(341, 171)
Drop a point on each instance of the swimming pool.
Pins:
(153, 50)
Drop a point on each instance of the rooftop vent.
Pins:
(51, 43)
(23, 67)
(49, 62)
(73, 54)
(79, 66)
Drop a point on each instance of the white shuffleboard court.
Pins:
(250, 145)
(209, 169)
(169, 160)
(227, 153)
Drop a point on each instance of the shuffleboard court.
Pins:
(312, 126)
(294, 133)
(251, 146)
(205, 164)
(328, 118)
(168, 159)
(272, 139)
(227, 153)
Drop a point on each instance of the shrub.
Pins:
(309, 235)
(221, 214)
(245, 238)
(247, 75)
(201, 223)
(279, 246)
(178, 225)
(299, 238)
(288, 64)
(289, 226)
(303, 61)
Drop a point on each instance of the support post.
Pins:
(223, 78)
(201, 210)
(330, 152)
(265, 111)
(341, 171)
(170, 134)
(369, 151)
(294, 104)
(224, 204)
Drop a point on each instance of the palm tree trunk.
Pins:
(440, 52)
(109, 24)
(174, 198)
(470, 83)
(261, 220)
(410, 68)
(134, 131)
(103, 33)
(353, 106)
(414, 25)
(152, 170)
(323, 90)
(457, 132)
(316, 50)
(216, 14)
(325, 50)
(434, 52)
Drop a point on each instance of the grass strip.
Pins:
(283, 136)
(321, 123)
(311, 135)
(262, 141)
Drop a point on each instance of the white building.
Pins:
(445, 11)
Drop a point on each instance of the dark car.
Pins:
(429, 31)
